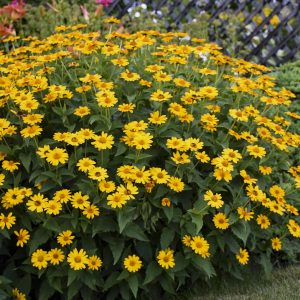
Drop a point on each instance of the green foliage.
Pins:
(288, 76)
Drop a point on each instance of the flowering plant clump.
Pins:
(136, 164)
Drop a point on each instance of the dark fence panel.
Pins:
(259, 39)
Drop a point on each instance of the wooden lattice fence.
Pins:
(270, 32)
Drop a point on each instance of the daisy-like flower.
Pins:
(132, 263)
(39, 259)
(213, 200)
(85, 164)
(7, 221)
(91, 211)
(77, 259)
(57, 156)
(94, 263)
(166, 259)
(200, 246)
(116, 200)
(276, 243)
(220, 220)
(55, 256)
(130, 76)
(22, 237)
(65, 238)
(263, 221)
(242, 256)
(256, 151)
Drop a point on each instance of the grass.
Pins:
(283, 285)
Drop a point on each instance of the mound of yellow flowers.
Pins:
(133, 165)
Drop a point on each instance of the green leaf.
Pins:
(52, 224)
(26, 160)
(116, 250)
(197, 219)
(169, 211)
(132, 230)
(72, 276)
(73, 290)
(266, 263)
(121, 149)
(167, 284)
(111, 281)
(152, 272)
(242, 231)
(133, 283)
(204, 265)
(39, 237)
(125, 216)
(167, 237)
(104, 224)
(46, 291)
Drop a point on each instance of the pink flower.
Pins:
(85, 13)
(104, 2)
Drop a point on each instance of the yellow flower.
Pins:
(126, 107)
(132, 263)
(263, 221)
(265, 170)
(116, 200)
(82, 111)
(53, 207)
(103, 141)
(180, 158)
(85, 164)
(79, 201)
(39, 259)
(256, 151)
(10, 165)
(55, 256)
(244, 213)
(91, 211)
(231, 155)
(62, 196)
(57, 156)
(165, 259)
(160, 96)
(94, 263)
(121, 62)
(220, 221)
(200, 246)
(162, 77)
(18, 295)
(142, 140)
(213, 200)
(159, 175)
(33, 119)
(156, 118)
(209, 92)
(186, 240)
(175, 184)
(202, 156)
(165, 202)
(77, 259)
(107, 186)
(31, 131)
(37, 203)
(242, 256)
(98, 173)
(65, 238)
(276, 244)
(294, 228)
(22, 237)
(7, 221)
(130, 76)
